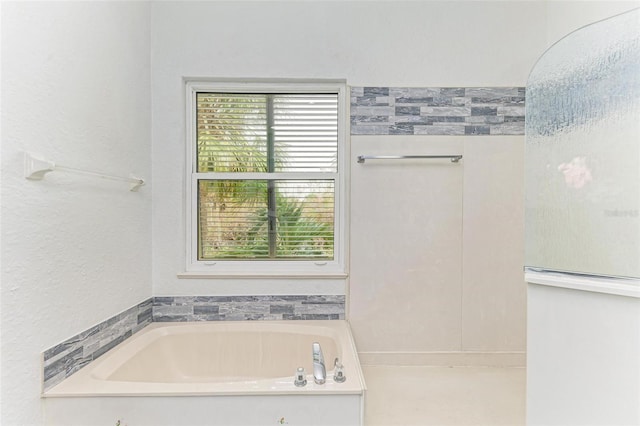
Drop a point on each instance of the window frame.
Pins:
(195, 268)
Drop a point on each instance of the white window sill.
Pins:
(258, 275)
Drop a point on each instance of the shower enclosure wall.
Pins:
(582, 209)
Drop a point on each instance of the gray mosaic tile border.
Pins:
(64, 359)
(246, 308)
(467, 111)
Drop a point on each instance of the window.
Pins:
(265, 184)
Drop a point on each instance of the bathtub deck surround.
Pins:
(66, 358)
(470, 111)
(218, 358)
(249, 365)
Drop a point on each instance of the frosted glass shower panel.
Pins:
(582, 164)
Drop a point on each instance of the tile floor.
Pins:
(424, 396)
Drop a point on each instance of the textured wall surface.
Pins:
(75, 249)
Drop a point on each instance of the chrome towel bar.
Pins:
(361, 158)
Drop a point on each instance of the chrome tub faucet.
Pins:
(319, 370)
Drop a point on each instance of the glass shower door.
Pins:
(582, 164)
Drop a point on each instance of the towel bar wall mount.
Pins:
(36, 167)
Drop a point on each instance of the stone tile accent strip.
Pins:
(437, 110)
(243, 308)
(66, 358)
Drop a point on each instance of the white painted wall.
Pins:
(75, 250)
(379, 43)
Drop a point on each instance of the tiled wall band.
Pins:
(243, 308)
(66, 358)
(470, 111)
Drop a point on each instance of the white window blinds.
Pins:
(268, 165)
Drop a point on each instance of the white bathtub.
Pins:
(242, 371)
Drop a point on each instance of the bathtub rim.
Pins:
(85, 383)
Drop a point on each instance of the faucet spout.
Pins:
(319, 370)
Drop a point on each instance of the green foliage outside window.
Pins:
(263, 218)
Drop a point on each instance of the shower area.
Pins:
(582, 245)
